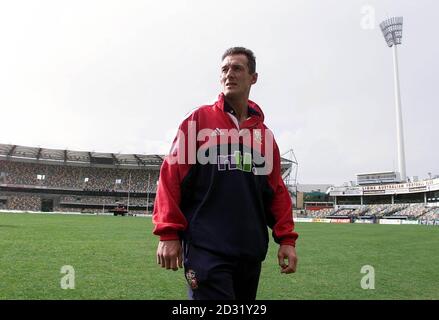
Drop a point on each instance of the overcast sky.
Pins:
(119, 76)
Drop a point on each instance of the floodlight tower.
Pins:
(290, 175)
(392, 31)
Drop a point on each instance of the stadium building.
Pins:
(40, 179)
(311, 197)
(52, 180)
(383, 195)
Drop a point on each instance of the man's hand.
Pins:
(169, 254)
(287, 252)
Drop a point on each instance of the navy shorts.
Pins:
(215, 277)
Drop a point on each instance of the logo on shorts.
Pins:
(191, 279)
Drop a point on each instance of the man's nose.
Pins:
(229, 74)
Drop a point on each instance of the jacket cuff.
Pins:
(289, 242)
(169, 236)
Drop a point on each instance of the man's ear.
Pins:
(254, 77)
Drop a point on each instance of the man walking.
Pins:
(219, 189)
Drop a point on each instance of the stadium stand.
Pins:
(52, 180)
(399, 200)
(37, 179)
(400, 211)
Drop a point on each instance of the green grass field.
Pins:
(114, 258)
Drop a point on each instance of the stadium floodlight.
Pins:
(291, 173)
(392, 31)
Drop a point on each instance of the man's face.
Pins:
(235, 77)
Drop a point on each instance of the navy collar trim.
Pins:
(228, 108)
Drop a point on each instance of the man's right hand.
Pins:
(169, 254)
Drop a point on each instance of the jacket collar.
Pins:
(254, 111)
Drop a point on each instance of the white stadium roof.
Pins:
(10, 151)
(71, 157)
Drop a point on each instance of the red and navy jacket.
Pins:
(221, 186)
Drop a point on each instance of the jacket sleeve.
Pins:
(281, 205)
(167, 216)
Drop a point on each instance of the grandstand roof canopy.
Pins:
(85, 157)
(16, 152)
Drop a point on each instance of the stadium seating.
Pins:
(25, 185)
(406, 211)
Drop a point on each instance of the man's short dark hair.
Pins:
(247, 52)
